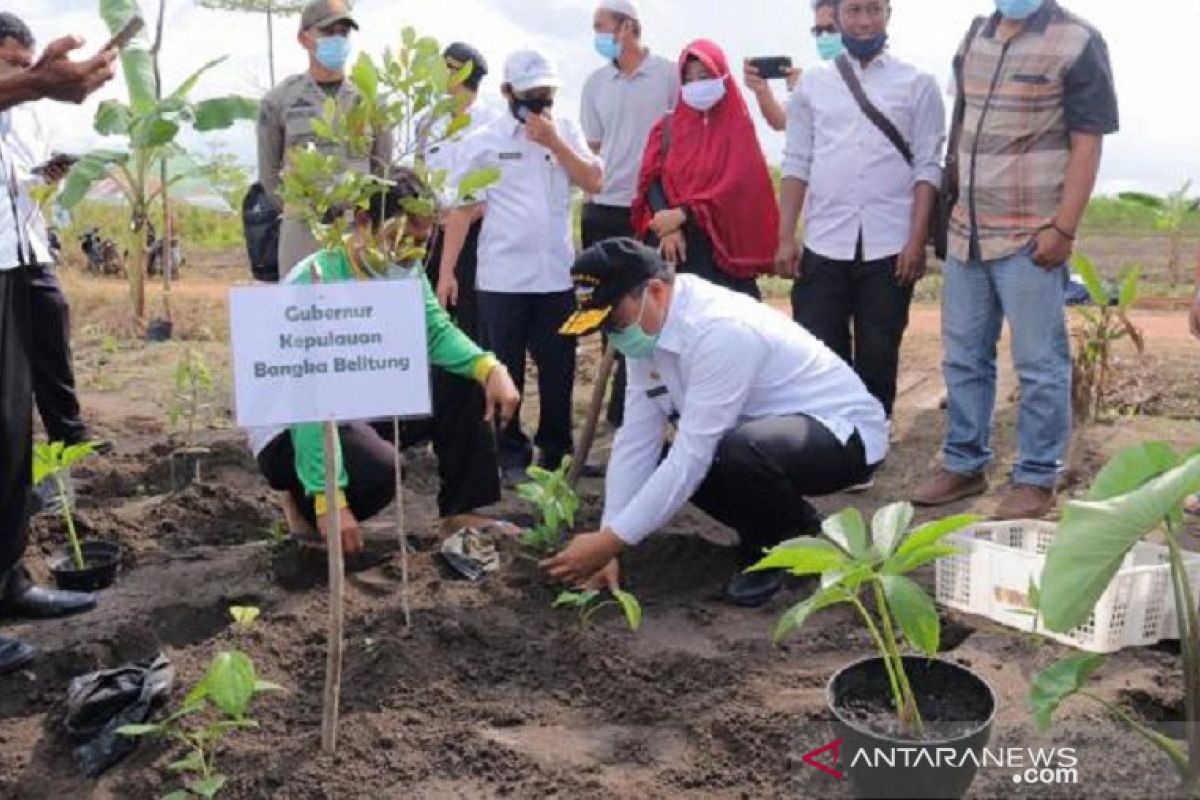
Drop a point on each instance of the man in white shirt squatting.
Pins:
(764, 416)
(526, 248)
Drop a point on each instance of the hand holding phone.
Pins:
(124, 36)
(772, 68)
(56, 168)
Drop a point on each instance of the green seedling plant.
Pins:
(215, 707)
(1099, 327)
(588, 603)
(1142, 489)
(53, 460)
(193, 380)
(853, 561)
(556, 503)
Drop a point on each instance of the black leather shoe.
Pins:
(14, 655)
(754, 589)
(40, 603)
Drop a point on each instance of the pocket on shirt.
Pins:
(1033, 80)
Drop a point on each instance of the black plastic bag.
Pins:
(261, 222)
(101, 702)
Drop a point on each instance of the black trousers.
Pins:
(702, 262)
(765, 470)
(16, 419)
(517, 324)
(600, 223)
(860, 311)
(466, 313)
(463, 442)
(53, 367)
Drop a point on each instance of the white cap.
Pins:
(619, 7)
(529, 69)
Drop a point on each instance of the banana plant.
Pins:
(852, 561)
(1170, 215)
(150, 123)
(1142, 489)
(1099, 327)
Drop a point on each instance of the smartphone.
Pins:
(772, 67)
(65, 160)
(125, 35)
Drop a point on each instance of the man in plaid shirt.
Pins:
(1039, 98)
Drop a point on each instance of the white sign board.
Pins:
(329, 351)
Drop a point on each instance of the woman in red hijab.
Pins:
(705, 194)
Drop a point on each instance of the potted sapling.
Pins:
(939, 711)
(82, 566)
(193, 381)
(1142, 489)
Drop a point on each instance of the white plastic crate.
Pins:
(991, 577)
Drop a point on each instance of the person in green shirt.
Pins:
(470, 389)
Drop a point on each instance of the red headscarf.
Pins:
(716, 168)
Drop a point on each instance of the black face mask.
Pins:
(521, 109)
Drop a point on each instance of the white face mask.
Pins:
(703, 95)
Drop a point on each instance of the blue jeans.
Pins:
(976, 299)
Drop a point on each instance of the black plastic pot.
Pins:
(187, 467)
(101, 560)
(159, 330)
(957, 707)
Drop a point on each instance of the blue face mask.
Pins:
(863, 49)
(333, 52)
(607, 46)
(633, 341)
(1018, 9)
(830, 46)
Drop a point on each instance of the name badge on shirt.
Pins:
(511, 156)
(657, 391)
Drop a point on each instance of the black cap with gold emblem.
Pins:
(605, 273)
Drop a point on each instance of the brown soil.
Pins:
(492, 693)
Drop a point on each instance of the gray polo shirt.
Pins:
(618, 112)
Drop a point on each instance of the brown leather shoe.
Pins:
(947, 487)
(1023, 501)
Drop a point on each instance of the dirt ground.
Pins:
(492, 693)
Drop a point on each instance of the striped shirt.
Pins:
(1024, 99)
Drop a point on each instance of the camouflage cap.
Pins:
(323, 13)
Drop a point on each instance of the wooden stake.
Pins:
(399, 462)
(333, 664)
(588, 436)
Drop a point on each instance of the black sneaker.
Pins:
(754, 589)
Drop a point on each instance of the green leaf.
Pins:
(1091, 279)
(631, 607)
(230, 680)
(219, 113)
(365, 78)
(1144, 200)
(208, 787)
(90, 169)
(138, 730)
(261, 686)
(1095, 536)
(244, 616)
(136, 64)
(575, 599)
(1131, 468)
(184, 89)
(848, 530)
(113, 119)
(803, 556)
(795, 617)
(914, 612)
(1059, 681)
(900, 564)
(178, 794)
(193, 762)
(1130, 284)
(476, 181)
(889, 525)
(935, 531)
(77, 452)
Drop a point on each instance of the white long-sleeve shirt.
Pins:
(722, 359)
(857, 179)
(24, 145)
